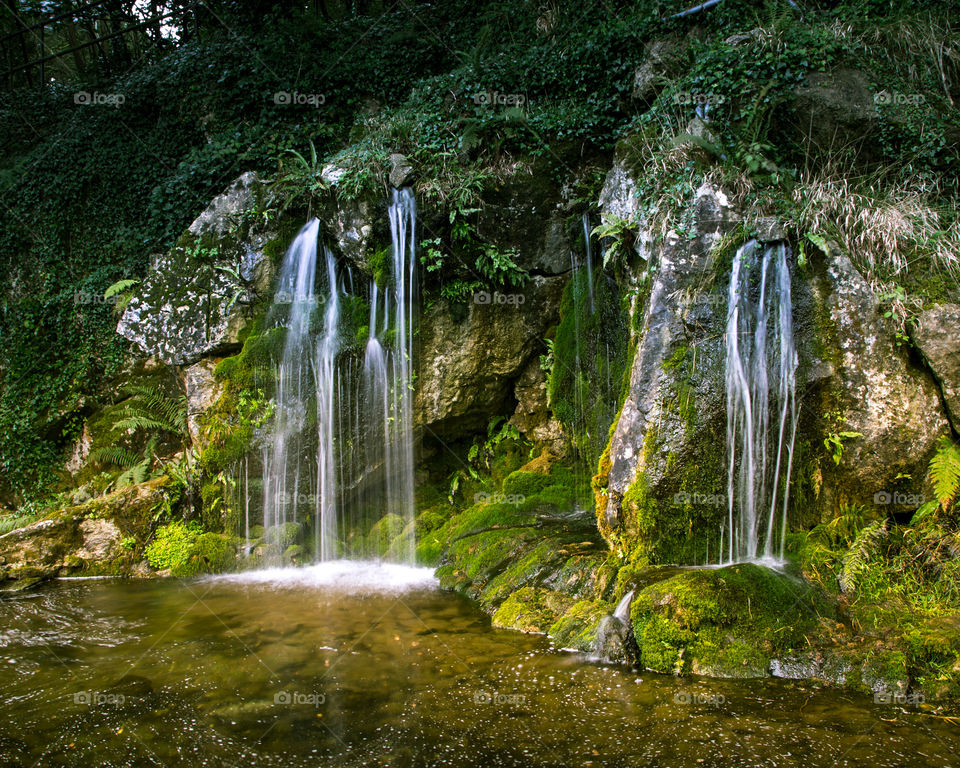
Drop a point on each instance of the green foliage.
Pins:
(589, 357)
(172, 544)
(945, 472)
(187, 550)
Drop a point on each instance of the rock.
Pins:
(525, 215)
(532, 415)
(87, 536)
(101, 540)
(203, 390)
(725, 622)
(662, 59)
(674, 415)
(225, 210)
(332, 173)
(401, 170)
(836, 109)
(875, 391)
(80, 451)
(937, 336)
(351, 224)
(468, 367)
(769, 229)
(195, 298)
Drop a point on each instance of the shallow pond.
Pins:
(355, 665)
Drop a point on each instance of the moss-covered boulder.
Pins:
(103, 536)
(725, 622)
(196, 299)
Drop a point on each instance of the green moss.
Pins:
(577, 628)
(531, 609)
(729, 621)
(379, 263)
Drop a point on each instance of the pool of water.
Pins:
(355, 665)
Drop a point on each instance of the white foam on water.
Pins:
(342, 575)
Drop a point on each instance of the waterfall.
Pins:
(589, 255)
(338, 453)
(759, 348)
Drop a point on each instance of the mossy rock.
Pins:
(577, 628)
(726, 622)
(283, 535)
(531, 609)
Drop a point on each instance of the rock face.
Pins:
(195, 299)
(662, 58)
(661, 491)
(203, 390)
(532, 415)
(875, 390)
(836, 109)
(468, 367)
(937, 336)
(527, 216)
(672, 420)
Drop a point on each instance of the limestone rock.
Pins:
(879, 392)
(101, 538)
(203, 390)
(468, 366)
(532, 415)
(937, 336)
(195, 298)
(662, 58)
(401, 170)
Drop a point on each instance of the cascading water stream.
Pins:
(338, 455)
(759, 347)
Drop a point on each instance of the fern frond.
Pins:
(116, 455)
(857, 558)
(944, 472)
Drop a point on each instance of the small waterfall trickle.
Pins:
(589, 255)
(759, 348)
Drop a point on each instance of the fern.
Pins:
(148, 408)
(116, 455)
(857, 558)
(944, 472)
(119, 287)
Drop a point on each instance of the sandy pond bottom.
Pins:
(351, 664)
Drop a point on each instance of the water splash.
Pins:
(757, 514)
